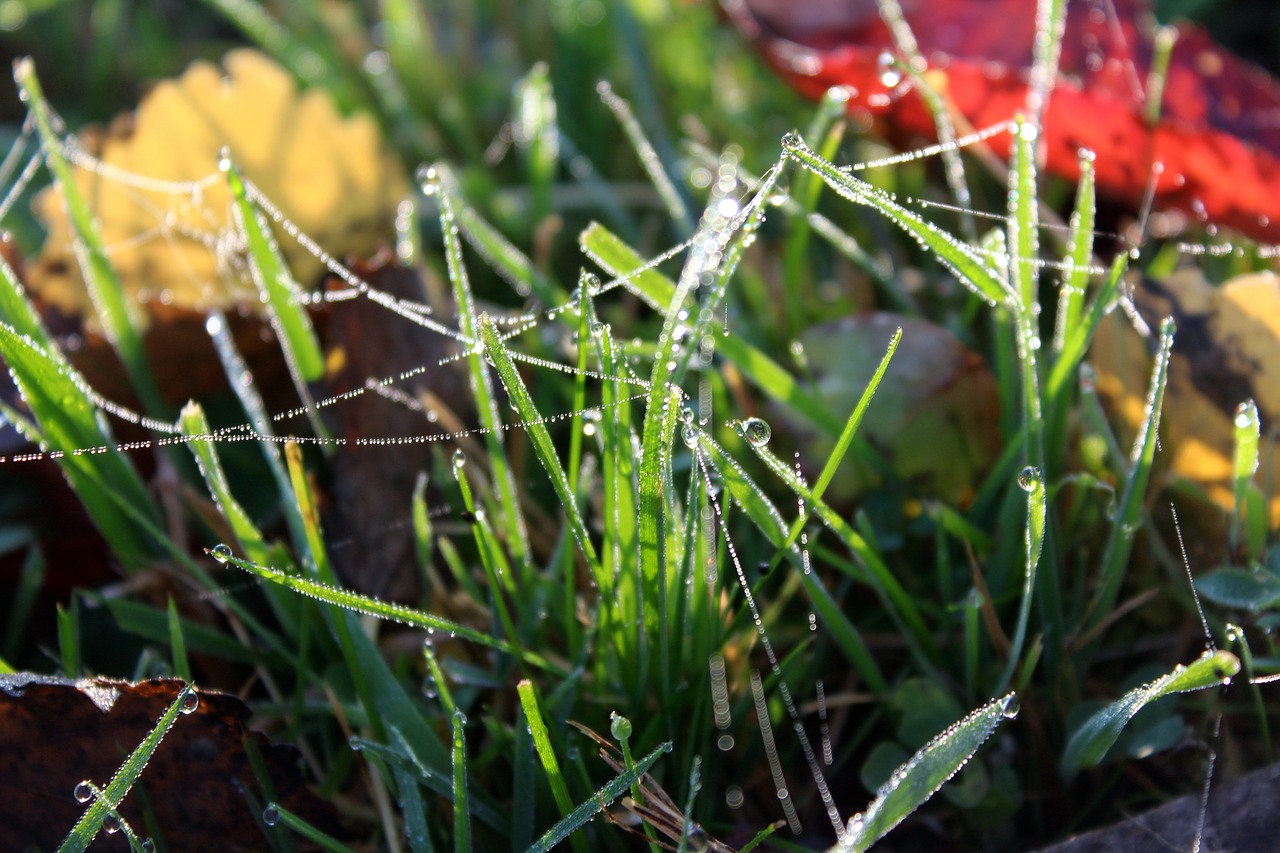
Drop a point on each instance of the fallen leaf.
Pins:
(332, 176)
(55, 733)
(1226, 350)
(1216, 138)
(936, 417)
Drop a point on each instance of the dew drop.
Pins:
(220, 552)
(148, 846)
(1029, 478)
(459, 459)
(111, 824)
(224, 160)
(689, 434)
(755, 431)
(890, 76)
(1011, 708)
(793, 141)
(189, 703)
(271, 815)
(84, 791)
(1244, 415)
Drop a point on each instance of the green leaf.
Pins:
(1089, 743)
(1241, 588)
(920, 778)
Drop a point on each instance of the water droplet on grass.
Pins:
(220, 552)
(84, 791)
(755, 431)
(271, 815)
(1029, 478)
(189, 703)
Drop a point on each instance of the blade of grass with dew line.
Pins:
(417, 829)
(597, 802)
(621, 620)
(1078, 336)
(1023, 223)
(827, 125)
(1032, 482)
(901, 607)
(275, 814)
(178, 643)
(114, 309)
(1075, 274)
(766, 517)
(435, 182)
(1120, 538)
(496, 250)
(846, 438)
(535, 426)
(960, 259)
(657, 290)
(912, 784)
(461, 807)
(550, 764)
(71, 429)
(195, 427)
(357, 603)
(110, 797)
(1089, 743)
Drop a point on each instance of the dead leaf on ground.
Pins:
(55, 733)
(331, 175)
(1226, 350)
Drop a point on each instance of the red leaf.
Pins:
(1218, 136)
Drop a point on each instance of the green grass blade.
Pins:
(1244, 463)
(70, 427)
(550, 764)
(1032, 482)
(178, 643)
(1120, 539)
(1077, 337)
(275, 814)
(962, 260)
(535, 426)
(118, 315)
(1075, 275)
(596, 803)
(287, 311)
(1089, 743)
(417, 829)
(436, 183)
(357, 603)
(1024, 220)
(461, 807)
(927, 771)
(109, 799)
(766, 517)
(195, 426)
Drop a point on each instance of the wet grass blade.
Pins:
(109, 799)
(535, 426)
(288, 314)
(436, 183)
(1129, 514)
(114, 309)
(597, 803)
(461, 806)
(1089, 743)
(357, 603)
(275, 814)
(920, 778)
(195, 426)
(550, 764)
(966, 264)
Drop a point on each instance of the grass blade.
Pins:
(1089, 743)
(110, 797)
(550, 765)
(461, 807)
(596, 803)
(921, 777)
(114, 309)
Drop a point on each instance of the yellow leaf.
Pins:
(332, 176)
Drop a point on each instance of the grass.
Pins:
(627, 533)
